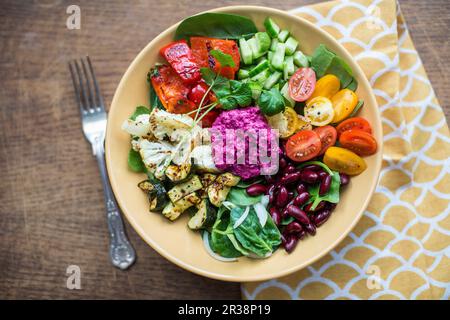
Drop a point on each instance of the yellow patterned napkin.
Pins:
(400, 249)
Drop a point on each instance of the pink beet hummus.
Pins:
(248, 158)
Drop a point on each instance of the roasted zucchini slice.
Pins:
(178, 173)
(205, 216)
(156, 192)
(183, 189)
(217, 193)
(207, 179)
(173, 210)
(228, 179)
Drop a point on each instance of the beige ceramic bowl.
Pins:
(174, 240)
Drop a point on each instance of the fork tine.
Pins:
(77, 88)
(90, 96)
(96, 86)
(82, 89)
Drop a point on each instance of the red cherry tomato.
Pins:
(302, 84)
(327, 135)
(354, 123)
(358, 141)
(303, 146)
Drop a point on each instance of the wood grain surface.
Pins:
(51, 201)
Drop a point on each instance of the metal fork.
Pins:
(93, 119)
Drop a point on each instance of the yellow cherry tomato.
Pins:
(327, 86)
(343, 160)
(320, 111)
(344, 102)
(286, 122)
(303, 123)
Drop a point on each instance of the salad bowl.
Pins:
(173, 239)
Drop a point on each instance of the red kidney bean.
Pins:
(302, 234)
(301, 199)
(256, 189)
(270, 179)
(284, 213)
(331, 206)
(322, 174)
(291, 243)
(308, 176)
(293, 227)
(298, 214)
(282, 163)
(291, 195)
(282, 198)
(276, 215)
(310, 228)
(283, 239)
(290, 178)
(321, 217)
(319, 207)
(289, 169)
(345, 179)
(312, 167)
(271, 192)
(301, 188)
(325, 184)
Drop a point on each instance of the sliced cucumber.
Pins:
(289, 67)
(258, 68)
(270, 55)
(256, 89)
(246, 52)
(278, 57)
(272, 80)
(285, 92)
(291, 45)
(271, 27)
(262, 76)
(283, 35)
(263, 42)
(300, 59)
(273, 45)
(253, 47)
(243, 74)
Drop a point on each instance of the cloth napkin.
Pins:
(400, 249)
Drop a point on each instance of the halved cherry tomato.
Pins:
(343, 160)
(358, 141)
(327, 135)
(302, 84)
(285, 122)
(343, 103)
(171, 90)
(354, 123)
(320, 111)
(303, 146)
(327, 86)
(201, 46)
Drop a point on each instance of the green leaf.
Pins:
(271, 102)
(331, 196)
(241, 92)
(359, 105)
(287, 220)
(216, 25)
(224, 59)
(353, 85)
(340, 69)
(321, 60)
(252, 236)
(139, 110)
(219, 240)
(135, 161)
(239, 197)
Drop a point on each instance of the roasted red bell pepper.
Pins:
(180, 57)
(201, 46)
(171, 90)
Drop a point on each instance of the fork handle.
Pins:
(121, 252)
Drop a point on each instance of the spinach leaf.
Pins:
(139, 110)
(252, 236)
(331, 196)
(340, 69)
(321, 60)
(216, 25)
(219, 237)
(353, 85)
(135, 161)
(246, 183)
(355, 111)
(224, 59)
(271, 102)
(239, 197)
(287, 220)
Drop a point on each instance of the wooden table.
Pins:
(51, 200)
